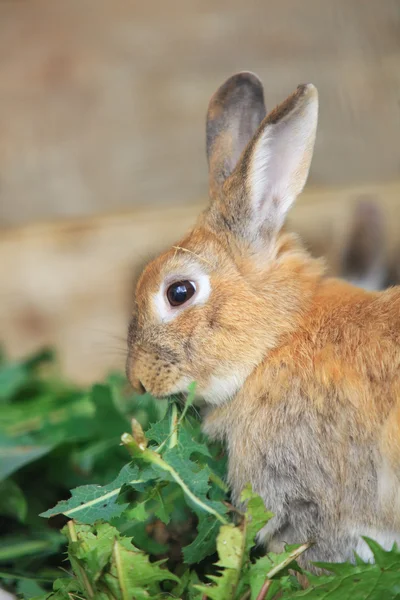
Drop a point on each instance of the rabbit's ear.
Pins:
(234, 113)
(275, 165)
(364, 256)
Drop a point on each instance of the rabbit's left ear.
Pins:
(273, 169)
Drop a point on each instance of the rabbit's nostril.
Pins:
(140, 388)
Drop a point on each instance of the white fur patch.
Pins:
(164, 311)
(221, 389)
(389, 491)
(181, 386)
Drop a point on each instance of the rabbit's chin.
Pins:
(222, 388)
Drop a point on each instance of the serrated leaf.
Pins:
(387, 559)
(161, 509)
(189, 445)
(158, 432)
(65, 589)
(357, 582)
(89, 503)
(141, 538)
(256, 515)
(230, 546)
(205, 542)
(132, 575)
(138, 512)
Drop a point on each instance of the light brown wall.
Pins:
(103, 101)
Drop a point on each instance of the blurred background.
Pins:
(102, 159)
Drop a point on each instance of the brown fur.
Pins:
(312, 418)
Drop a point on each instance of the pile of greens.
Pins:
(149, 515)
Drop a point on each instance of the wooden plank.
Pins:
(103, 104)
(69, 284)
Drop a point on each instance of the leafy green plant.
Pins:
(149, 515)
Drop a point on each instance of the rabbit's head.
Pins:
(208, 309)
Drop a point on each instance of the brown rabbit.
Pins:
(300, 371)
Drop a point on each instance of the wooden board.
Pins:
(103, 102)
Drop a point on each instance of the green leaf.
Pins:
(357, 582)
(12, 458)
(29, 588)
(107, 416)
(138, 531)
(256, 515)
(89, 503)
(204, 543)
(132, 575)
(230, 546)
(270, 566)
(66, 589)
(12, 500)
(103, 560)
(16, 546)
(14, 375)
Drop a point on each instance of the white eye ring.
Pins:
(162, 307)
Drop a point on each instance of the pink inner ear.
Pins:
(280, 160)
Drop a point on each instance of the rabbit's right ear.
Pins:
(234, 113)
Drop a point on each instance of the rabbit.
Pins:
(364, 261)
(299, 371)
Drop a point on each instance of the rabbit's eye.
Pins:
(180, 292)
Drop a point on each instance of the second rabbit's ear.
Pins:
(271, 171)
(364, 255)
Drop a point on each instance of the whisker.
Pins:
(191, 252)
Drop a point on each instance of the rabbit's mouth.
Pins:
(148, 372)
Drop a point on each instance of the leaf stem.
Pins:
(72, 531)
(106, 496)
(120, 571)
(85, 580)
(173, 427)
(264, 589)
(290, 558)
(189, 401)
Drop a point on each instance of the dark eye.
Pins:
(180, 292)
